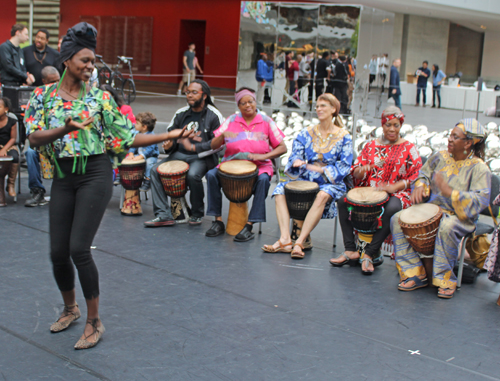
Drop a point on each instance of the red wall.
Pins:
(222, 31)
(7, 19)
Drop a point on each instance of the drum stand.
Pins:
(180, 210)
(237, 217)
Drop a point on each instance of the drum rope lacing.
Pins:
(379, 221)
(423, 235)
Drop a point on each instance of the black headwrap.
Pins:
(79, 37)
(206, 90)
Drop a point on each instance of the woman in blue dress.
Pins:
(323, 154)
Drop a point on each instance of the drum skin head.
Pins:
(132, 162)
(300, 185)
(6, 158)
(174, 166)
(417, 214)
(238, 167)
(367, 195)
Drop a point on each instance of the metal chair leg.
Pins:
(122, 197)
(260, 227)
(461, 257)
(335, 231)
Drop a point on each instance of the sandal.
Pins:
(442, 293)
(298, 254)
(281, 249)
(419, 283)
(348, 261)
(59, 326)
(98, 331)
(366, 272)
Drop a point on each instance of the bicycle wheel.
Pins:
(104, 76)
(128, 91)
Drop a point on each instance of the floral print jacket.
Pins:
(110, 131)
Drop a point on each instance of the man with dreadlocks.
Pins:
(201, 116)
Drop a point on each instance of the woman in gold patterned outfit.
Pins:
(459, 182)
(322, 154)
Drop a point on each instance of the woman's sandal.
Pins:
(298, 254)
(281, 249)
(366, 272)
(419, 283)
(59, 326)
(97, 331)
(348, 261)
(442, 293)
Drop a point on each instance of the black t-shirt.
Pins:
(340, 71)
(5, 131)
(193, 123)
(321, 71)
(36, 61)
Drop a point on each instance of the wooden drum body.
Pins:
(5, 163)
(173, 178)
(366, 207)
(420, 224)
(237, 179)
(131, 176)
(300, 196)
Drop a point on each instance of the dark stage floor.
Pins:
(180, 306)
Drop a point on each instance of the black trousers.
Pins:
(390, 208)
(77, 204)
(340, 92)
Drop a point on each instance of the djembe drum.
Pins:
(366, 207)
(237, 179)
(5, 163)
(420, 224)
(300, 196)
(173, 178)
(131, 176)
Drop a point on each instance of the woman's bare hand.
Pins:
(70, 124)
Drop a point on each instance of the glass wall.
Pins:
(277, 36)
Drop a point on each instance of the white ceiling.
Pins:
(468, 13)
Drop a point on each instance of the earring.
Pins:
(465, 152)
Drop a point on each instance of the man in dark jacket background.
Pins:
(202, 116)
(12, 66)
(39, 55)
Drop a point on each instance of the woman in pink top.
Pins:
(248, 135)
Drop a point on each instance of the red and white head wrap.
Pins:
(386, 118)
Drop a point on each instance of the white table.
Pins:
(451, 97)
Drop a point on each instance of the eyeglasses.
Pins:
(250, 102)
(456, 137)
(194, 92)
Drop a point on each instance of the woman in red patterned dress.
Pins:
(388, 163)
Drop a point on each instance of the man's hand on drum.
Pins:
(443, 186)
(389, 188)
(138, 157)
(359, 172)
(177, 134)
(71, 125)
(417, 195)
(130, 155)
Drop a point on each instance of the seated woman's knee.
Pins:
(323, 197)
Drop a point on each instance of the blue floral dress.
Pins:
(334, 155)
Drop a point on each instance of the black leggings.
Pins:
(390, 208)
(77, 204)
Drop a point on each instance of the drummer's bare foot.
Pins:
(342, 260)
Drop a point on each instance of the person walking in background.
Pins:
(373, 70)
(438, 78)
(423, 74)
(322, 73)
(304, 70)
(189, 72)
(383, 64)
(394, 88)
(196, 65)
(264, 75)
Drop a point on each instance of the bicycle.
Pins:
(115, 78)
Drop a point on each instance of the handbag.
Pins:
(478, 246)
